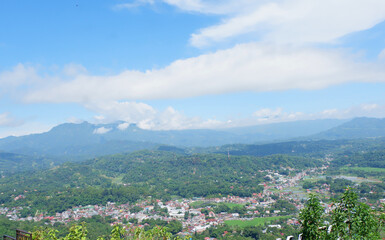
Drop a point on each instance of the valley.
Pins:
(198, 190)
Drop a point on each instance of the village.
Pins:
(196, 214)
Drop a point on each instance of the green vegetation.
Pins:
(364, 169)
(11, 163)
(80, 232)
(173, 174)
(144, 173)
(373, 159)
(349, 219)
(96, 225)
(255, 221)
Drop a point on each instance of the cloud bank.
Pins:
(295, 21)
(245, 67)
(170, 119)
(280, 21)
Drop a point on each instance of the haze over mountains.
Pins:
(86, 140)
(183, 171)
(356, 128)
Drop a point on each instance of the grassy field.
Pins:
(365, 169)
(231, 205)
(118, 180)
(255, 221)
(198, 204)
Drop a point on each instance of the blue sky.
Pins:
(177, 64)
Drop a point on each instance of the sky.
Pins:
(189, 64)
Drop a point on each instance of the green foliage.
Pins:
(45, 234)
(117, 232)
(373, 159)
(312, 218)
(80, 232)
(174, 226)
(230, 208)
(255, 221)
(136, 209)
(11, 163)
(353, 220)
(146, 173)
(77, 232)
(350, 219)
(284, 206)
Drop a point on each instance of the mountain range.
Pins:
(75, 142)
(86, 139)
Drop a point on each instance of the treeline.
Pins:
(58, 202)
(370, 190)
(313, 148)
(375, 159)
(292, 148)
(11, 163)
(198, 174)
(127, 177)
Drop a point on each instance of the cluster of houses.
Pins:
(193, 219)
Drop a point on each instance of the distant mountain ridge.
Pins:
(75, 142)
(356, 128)
(87, 140)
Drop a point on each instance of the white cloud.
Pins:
(245, 67)
(147, 117)
(363, 110)
(280, 21)
(171, 119)
(285, 58)
(382, 55)
(123, 126)
(268, 113)
(102, 130)
(18, 76)
(29, 127)
(296, 21)
(210, 6)
(74, 120)
(133, 4)
(187, 5)
(73, 69)
(221, 7)
(23, 78)
(6, 120)
(131, 112)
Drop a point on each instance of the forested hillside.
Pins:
(126, 177)
(11, 163)
(300, 148)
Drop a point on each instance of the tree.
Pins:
(350, 219)
(174, 226)
(353, 220)
(251, 231)
(311, 218)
